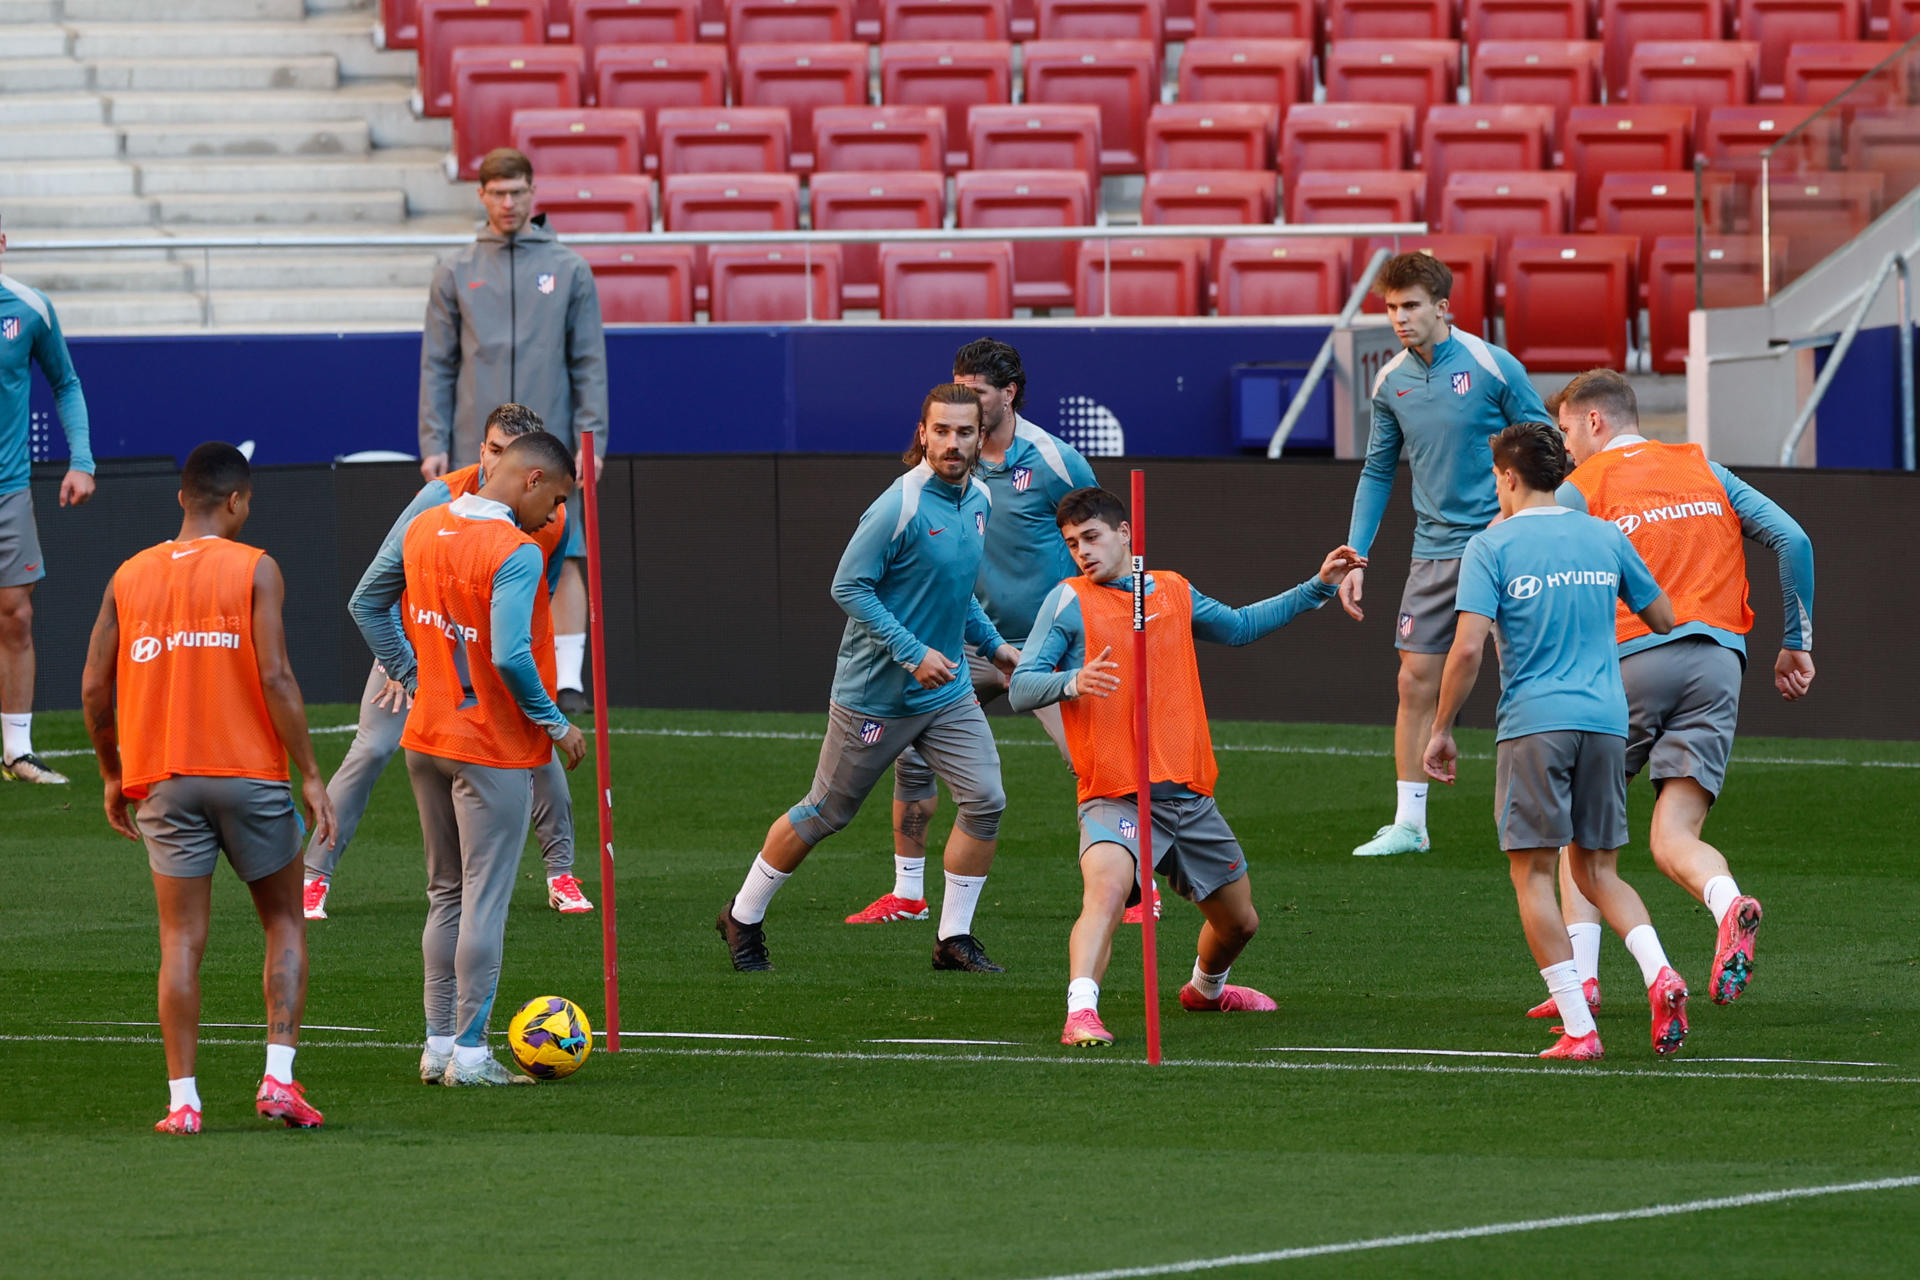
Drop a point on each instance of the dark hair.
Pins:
(995, 361)
(945, 393)
(1083, 505)
(540, 449)
(505, 162)
(1536, 450)
(1405, 270)
(1601, 389)
(515, 419)
(214, 472)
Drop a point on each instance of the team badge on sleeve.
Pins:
(545, 283)
(870, 731)
(980, 523)
(1462, 383)
(10, 327)
(1406, 625)
(1129, 828)
(1022, 479)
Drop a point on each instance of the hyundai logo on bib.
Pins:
(145, 649)
(1524, 587)
(1628, 524)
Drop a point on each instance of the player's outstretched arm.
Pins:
(96, 703)
(1457, 678)
(1221, 624)
(285, 707)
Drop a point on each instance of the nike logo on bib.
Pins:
(447, 533)
(1633, 452)
(178, 554)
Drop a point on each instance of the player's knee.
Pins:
(815, 822)
(16, 619)
(1416, 684)
(980, 813)
(1243, 925)
(913, 781)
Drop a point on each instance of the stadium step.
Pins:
(59, 142)
(128, 312)
(27, 12)
(55, 108)
(244, 138)
(276, 208)
(67, 178)
(318, 71)
(343, 37)
(417, 174)
(331, 307)
(102, 214)
(41, 75)
(104, 273)
(34, 41)
(184, 10)
(266, 269)
(383, 106)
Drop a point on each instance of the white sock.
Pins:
(1563, 984)
(442, 1045)
(16, 740)
(1646, 948)
(280, 1062)
(956, 908)
(1720, 893)
(1207, 984)
(183, 1093)
(909, 878)
(1586, 949)
(762, 882)
(1082, 993)
(570, 653)
(470, 1055)
(1412, 807)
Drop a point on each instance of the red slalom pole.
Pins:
(1148, 956)
(602, 763)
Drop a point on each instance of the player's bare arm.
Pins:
(1456, 682)
(96, 703)
(1659, 615)
(285, 707)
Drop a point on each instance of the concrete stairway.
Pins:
(152, 120)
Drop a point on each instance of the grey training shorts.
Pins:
(187, 821)
(1683, 701)
(1426, 619)
(1193, 847)
(955, 741)
(20, 558)
(1561, 787)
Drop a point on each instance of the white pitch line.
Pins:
(1508, 1053)
(691, 1035)
(237, 1026)
(1747, 1201)
(1011, 1042)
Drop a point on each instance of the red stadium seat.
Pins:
(1648, 205)
(1199, 197)
(1601, 140)
(1100, 20)
(597, 23)
(1020, 19)
(1417, 72)
(1730, 276)
(1147, 278)
(1814, 215)
(1627, 24)
(607, 203)
(874, 202)
(773, 284)
(1561, 74)
(944, 20)
(645, 78)
(1504, 205)
(952, 76)
(1042, 269)
(1686, 74)
(1245, 70)
(1462, 139)
(957, 281)
(1036, 137)
(1179, 25)
(492, 81)
(446, 25)
(400, 24)
(1526, 20)
(1777, 25)
(1570, 301)
(1903, 20)
(1210, 135)
(866, 21)
(1733, 133)
(879, 139)
(1819, 73)
(1338, 136)
(642, 284)
(1257, 20)
(1121, 77)
(1887, 141)
(1282, 276)
(801, 78)
(789, 22)
(1470, 258)
(703, 202)
(585, 141)
(1384, 195)
(722, 139)
(1390, 20)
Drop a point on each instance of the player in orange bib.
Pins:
(1082, 654)
(193, 709)
(1687, 517)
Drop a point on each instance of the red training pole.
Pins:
(1145, 768)
(602, 763)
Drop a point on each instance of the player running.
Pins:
(383, 705)
(1083, 655)
(906, 582)
(1026, 472)
(1437, 400)
(482, 724)
(1548, 578)
(190, 646)
(1686, 517)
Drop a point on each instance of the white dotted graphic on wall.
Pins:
(1090, 427)
(39, 436)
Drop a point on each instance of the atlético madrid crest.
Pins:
(870, 731)
(10, 327)
(980, 523)
(1462, 383)
(544, 281)
(1022, 477)
(1129, 828)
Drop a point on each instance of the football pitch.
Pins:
(856, 1114)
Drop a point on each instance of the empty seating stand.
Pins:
(1648, 205)
(944, 20)
(1628, 24)
(954, 76)
(1701, 75)
(491, 82)
(596, 23)
(874, 202)
(801, 78)
(400, 24)
(642, 284)
(604, 203)
(1417, 72)
(1331, 136)
(1043, 270)
(1470, 258)
(1100, 20)
(1393, 195)
(1569, 301)
(1887, 141)
(1730, 275)
(1246, 70)
(1036, 137)
(947, 281)
(1777, 25)
(1559, 73)
(1526, 20)
(789, 22)
(773, 284)
(585, 141)
(1505, 205)
(1120, 77)
(1141, 278)
(1603, 140)
(1211, 135)
(1819, 73)
(709, 202)
(446, 25)
(1257, 20)
(1206, 198)
(645, 78)
(879, 139)
(722, 139)
(1390, 20)
(1460, 139)
(1281, 276)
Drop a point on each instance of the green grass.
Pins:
(830, 1155)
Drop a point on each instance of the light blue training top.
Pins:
(1549, 578)
(1025, 553)
(30, 334)
(1765, 522)
(1441, 414)
(906, 584)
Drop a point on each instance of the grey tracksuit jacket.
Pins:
(511, 319)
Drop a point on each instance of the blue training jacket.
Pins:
(1025, 555)
(30, 334)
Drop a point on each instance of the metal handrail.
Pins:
(1362, 285)
(1895, 263)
